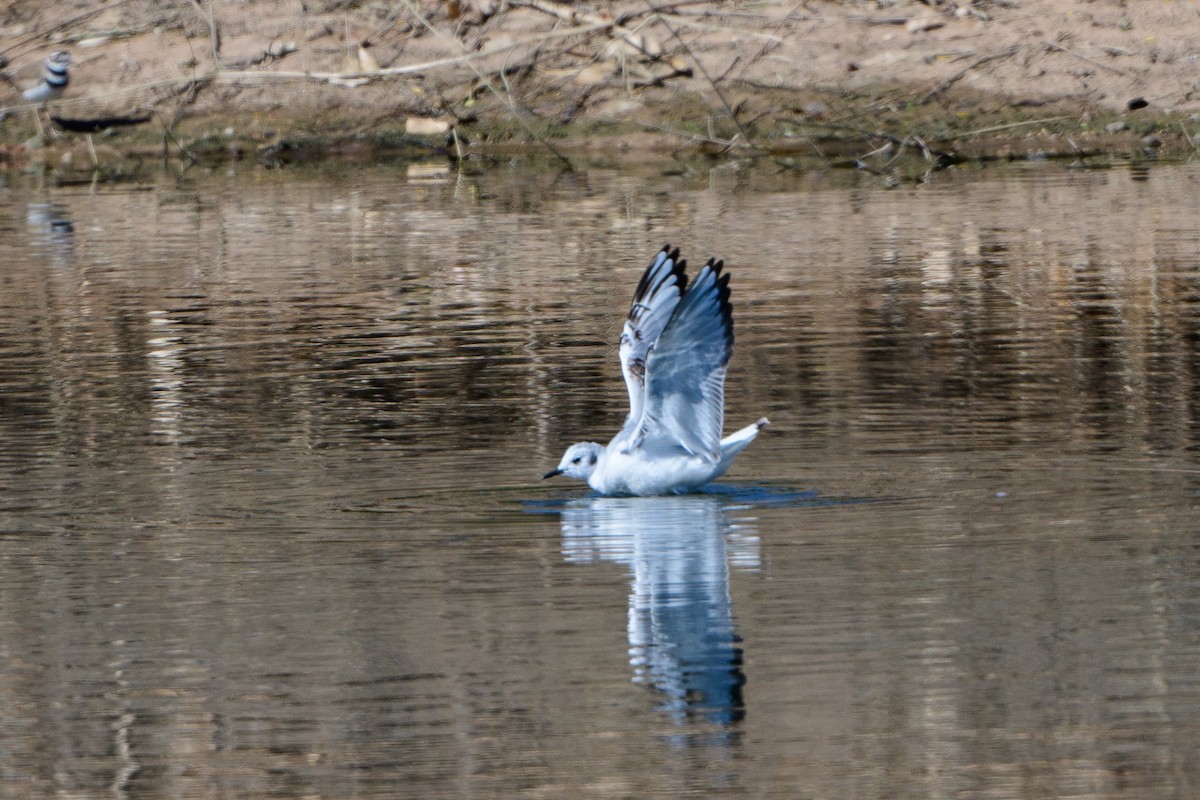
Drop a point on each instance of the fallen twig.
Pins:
(956, 77)
(1093, 62)
(769, 46)
(645, 45)
(19, 47)
(505, 98)
(1011, 125)
(741, 32)
(881, 20)
(407, 69)
(628, 15)
(182, 85)
(739, 14)
(692, 138)
(717, 89)
(214, 33)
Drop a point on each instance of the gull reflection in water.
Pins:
(681, 632)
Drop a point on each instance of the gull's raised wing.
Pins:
(685, 371)
(656, 298)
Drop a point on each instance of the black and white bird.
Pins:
(54, 80)
(675, 348)
(41, 88)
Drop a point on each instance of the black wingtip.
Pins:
(724, 293)
(678, 269)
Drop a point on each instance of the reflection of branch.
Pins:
(168, 136)
(942, 157)
(691, 137)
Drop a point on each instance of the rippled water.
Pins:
(271, 523)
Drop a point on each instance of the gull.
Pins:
(675, 349)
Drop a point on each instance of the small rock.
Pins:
(923, 24)
(366, 59)
(816, 109)
(965, 10)
(1116, 127)
(594, 73)
(619, 108)
(427, 126)
(633, 46)
(1136, 103)
(1151, 141)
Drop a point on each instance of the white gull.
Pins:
(675, 349)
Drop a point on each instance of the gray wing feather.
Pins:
(657, 296)
(685, 371)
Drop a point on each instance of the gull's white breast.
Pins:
(637, 473)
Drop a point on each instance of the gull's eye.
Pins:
(575, 460)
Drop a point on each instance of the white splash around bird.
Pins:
(675, 349)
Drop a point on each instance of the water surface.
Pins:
(271, 523)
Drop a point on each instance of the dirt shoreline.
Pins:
(888, 85)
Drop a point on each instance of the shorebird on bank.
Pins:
(48, 86)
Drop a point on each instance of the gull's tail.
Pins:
(736, 442)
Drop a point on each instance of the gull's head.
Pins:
(578, 462)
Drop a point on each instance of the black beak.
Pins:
(552, 473)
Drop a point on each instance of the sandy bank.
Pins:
(864, 81)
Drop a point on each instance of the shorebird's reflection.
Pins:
(681, 632)
(51, 228)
